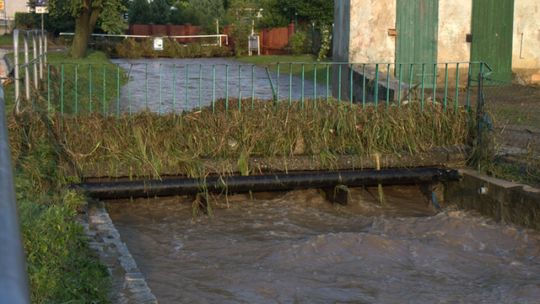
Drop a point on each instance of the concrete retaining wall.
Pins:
(499, 199)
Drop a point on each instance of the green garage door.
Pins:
(492, 27)
(417, 28)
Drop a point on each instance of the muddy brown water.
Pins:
(297, 248)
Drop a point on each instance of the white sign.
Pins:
(158, 44)
(42, 10)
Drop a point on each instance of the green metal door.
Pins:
(492, 27)
(417, 26)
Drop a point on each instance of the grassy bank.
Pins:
(61, 266)
(296, 69)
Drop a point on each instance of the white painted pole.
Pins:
(16, 59)
(34, 61)
(26, 68)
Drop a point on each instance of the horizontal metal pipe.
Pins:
(259, 183)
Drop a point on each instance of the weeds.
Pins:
(147, 144)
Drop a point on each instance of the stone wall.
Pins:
(526, 45)
(371, 20)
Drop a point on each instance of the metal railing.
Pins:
(13, 276)
(37, 63)
(219, 37)
(166, 87)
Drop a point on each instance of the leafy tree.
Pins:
(139, 12)
(161, 11)
(87, 14)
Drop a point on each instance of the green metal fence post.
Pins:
(469, 83)
(328, 82)
(75, 89)
(227, 88)
(213, 88)
(160, 78)
(117, 90)
(411, 74)
(387, 84)
(146, 86)
(434, 83)
(104, 93)
(62, 89)
(200, 87)
(175, 70)
(339, 82)
(456, 100)
(363, 86)
(277, 80)
(445, 102)
(252, 86)
(303, 83)
(351, 84)
(400, 79)
(90, 97)
(423, 86)
(239, 87)
(315, 83)
(130, 94)
(376, 93)
(186, 86)
(48, 88)
(290, 83)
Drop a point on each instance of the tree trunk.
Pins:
(84, 27)
(82, 35)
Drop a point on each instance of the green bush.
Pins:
(239, 37)
(131, 48)
(61, 266)
(53, 24)
(299, 43)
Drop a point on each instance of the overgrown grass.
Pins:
(61, 266)
(309, 61)
(147, 144)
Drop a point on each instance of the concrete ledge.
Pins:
(129, 284)
(502, 200)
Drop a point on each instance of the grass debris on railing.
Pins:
(148, 144)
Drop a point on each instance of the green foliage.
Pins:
(149, 144)
(53, 24)
(299, 43)
(139, 12)
(107, 12)
(131, 48)
(61, 266)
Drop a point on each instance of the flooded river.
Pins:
(297, 248)
(166, 85)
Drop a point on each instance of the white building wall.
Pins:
(371, 42)
(526, 44)
(454, 25)
(14, 6)
(370, 22)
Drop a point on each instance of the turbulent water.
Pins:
(297, 248)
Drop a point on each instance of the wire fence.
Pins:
(163, 86)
